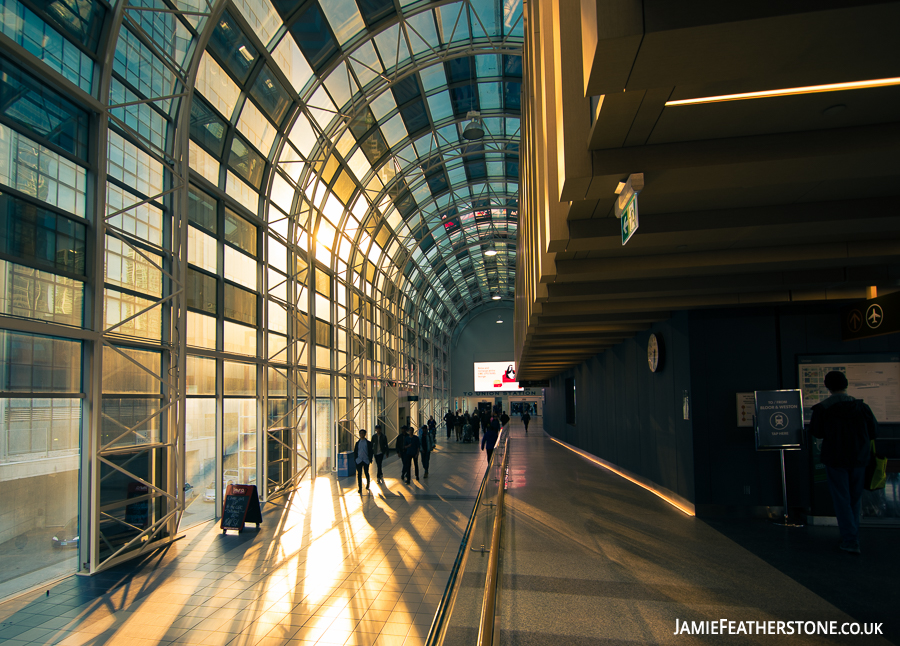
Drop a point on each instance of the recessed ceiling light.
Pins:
(495, 297)
(499, 320)
(808, 89)
(490, 252)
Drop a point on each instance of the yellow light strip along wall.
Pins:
(678, 505)
(810, 89)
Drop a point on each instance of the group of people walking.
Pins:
(412, 444)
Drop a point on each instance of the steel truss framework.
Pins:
(394, 339)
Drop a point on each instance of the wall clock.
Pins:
(655, 353)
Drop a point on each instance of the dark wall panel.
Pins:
(629, 416)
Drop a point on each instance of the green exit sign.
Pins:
(629, 219)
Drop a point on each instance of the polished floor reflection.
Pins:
(328, 566)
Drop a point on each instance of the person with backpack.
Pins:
(846, 427)
(426, 443)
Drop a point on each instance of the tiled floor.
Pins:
(327, 566)
(590, 559)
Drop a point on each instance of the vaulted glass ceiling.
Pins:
(346, 117)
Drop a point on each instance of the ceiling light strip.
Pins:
(809, 89)
(606, 465)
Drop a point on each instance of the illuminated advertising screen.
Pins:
(496, 375)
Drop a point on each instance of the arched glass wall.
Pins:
(233, 234)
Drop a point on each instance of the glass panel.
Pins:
(129, 506)
(31, 363)
(246, 162)
(231, 46)
(202, 209)
(201, 376)
(138, 65)
(207, 127)
(35, 294)
(270, 94)
(201, 291)
(203, 163)
(118, 306)
(239, 339)
(314, 37)
(240, 268)
(254, 125)
(202, 250)
(201, 331)
(240, 379)
(122, 376)
(41, 110)
(41, 237)
(239, 232)
(239, 442)
(216, 86)
(41, 504)
(200, 458)
(24, 27)
(126, 268)
(324, 442)
(240, 304)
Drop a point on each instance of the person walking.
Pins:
(489, 439)
(362, 451)
(846, 427)
(410, 453)
(525, 419)
(432, 428)
(400, 449)
(504, 419)
(427, 446)
(380, 448)
(458, 424)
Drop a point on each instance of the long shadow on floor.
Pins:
(862, 585)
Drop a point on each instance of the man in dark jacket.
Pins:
(525, 419)
(410, 453)
(489, 439)
(504, 419)
(381, 449)
(449, 420)
(846, 427)
(362, 453)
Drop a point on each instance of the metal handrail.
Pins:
(486, 625)
(439, 623)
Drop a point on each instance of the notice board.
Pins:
(874, 378)
(779, 419)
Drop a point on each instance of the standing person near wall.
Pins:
(449, 420)
(426, 443)
(362, 451)
(525, 419)
(846, 427)
(380, 449)
(489, 439)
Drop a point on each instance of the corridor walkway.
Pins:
(591, 559)
(326, 567)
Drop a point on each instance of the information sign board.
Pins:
(629, 219)
(241, 505)
(779, 419)
(872, 317)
